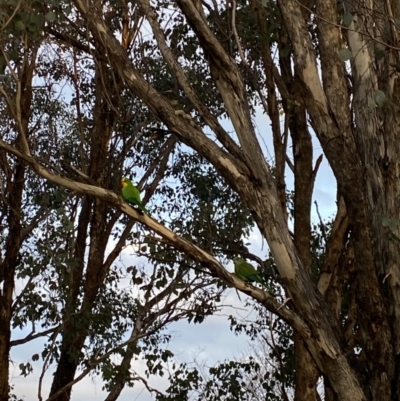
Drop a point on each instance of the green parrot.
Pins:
(132, 195)
(246, 271)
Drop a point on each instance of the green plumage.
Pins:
(132, 195)
(246, 271)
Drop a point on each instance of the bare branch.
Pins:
(31, 336)
(315, 171)
(216, 269)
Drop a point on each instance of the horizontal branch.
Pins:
(32, 336)
(183, 245)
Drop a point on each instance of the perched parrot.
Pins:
(246, 271)
(132, 195)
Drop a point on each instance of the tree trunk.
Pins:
(7, 276)
(77, 321)
(306, 372)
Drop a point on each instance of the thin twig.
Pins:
(46, 361)
(146, 384)
(236, 36)
(368, 35)
(11, 16)
(32, 336)
(322, 225)
(315, 171)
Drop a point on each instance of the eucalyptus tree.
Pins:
(325, 66)
(61, 277)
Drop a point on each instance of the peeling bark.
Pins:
(306, 373)
(256, 189)
(360, 268)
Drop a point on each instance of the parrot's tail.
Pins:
(144, 210)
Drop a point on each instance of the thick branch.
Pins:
(232, 89)
(179, 243)
(176, 120)
(176, 68)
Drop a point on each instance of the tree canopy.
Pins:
(93, 91)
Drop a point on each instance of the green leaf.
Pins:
(385, 221)
(347, 19)
(273, 27)
(37, 20)
(394, 237)
(380, 53)
(60, 195)
(3, 64)
(50, 16)
(380, 98)
(68, 225)
(67, 11)
(285, 52)
(137, 280)
(32, 28)
(345, 54)
(37, 5)
(371, 103)
(19, 26)
(166, 354)
(393, 224)
(13, 55)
